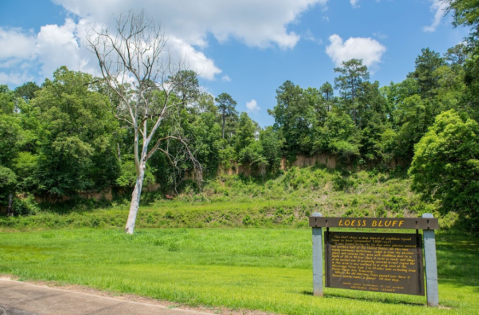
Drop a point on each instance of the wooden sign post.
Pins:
(381, 262)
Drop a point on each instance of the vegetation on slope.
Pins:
(237, 201)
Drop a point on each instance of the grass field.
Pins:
(263, 269)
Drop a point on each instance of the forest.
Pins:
(67, 136)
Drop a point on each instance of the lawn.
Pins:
(249, 268)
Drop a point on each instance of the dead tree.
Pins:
(136, 65)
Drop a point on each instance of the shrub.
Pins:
(25, 205)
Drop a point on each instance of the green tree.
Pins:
(10, 144)
(76, 148)
(446, 166)
(246, 131)
(338, 136)
(254, 155)
(371, 120)
(457, 55)
(8, 182)
(205, 103)
(271, 145)
(349, 82)
(328, 93)
(226, 106)
(11, 139)
(187, 87)
(426, 65)
(466, 13)
(27, 90)
(7, 100)
(295, 118)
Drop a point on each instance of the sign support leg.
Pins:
(317, 259)
(431, 265)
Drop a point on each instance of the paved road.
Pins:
(19, 298)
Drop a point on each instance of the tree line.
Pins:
(77, 132)
(63, 137)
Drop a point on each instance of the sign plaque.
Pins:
(381, 262)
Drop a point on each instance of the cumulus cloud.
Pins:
(256, 23)
(16, 44)
(252, 106)
(225, 78)
(52, 47)
(188, 25)
(367, 49)
(439, 8)
(60, 45)
(194, 59)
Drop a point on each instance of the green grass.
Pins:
(250, 268)
(235, 201)
(263, 269)
(174, 214)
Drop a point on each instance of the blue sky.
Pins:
(246, 48)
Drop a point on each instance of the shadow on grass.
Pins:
(367, 299)
(457, 259)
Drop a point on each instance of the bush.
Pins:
(25, 205)
(247, 220)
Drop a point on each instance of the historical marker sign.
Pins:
(382, 262)
(376, 223)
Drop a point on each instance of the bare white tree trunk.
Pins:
(135, 201)
(136, 68)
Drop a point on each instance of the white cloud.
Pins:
(225, 78)
(15, 78)
(60, 46)
(367, 49)
(256, 23)
(187, 23)
(195, 60)
(252, 106)
(439, 8)
(16, 44)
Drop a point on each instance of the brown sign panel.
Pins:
(381, 262)
(376, 223)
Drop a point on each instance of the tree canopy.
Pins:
(446, 165)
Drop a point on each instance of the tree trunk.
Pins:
(119, 153)
(9, 208)
(135, 201)
(224, 118)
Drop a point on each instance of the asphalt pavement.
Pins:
(20, 298)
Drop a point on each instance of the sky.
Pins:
(246, 48)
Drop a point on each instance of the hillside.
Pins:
(236, 201)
